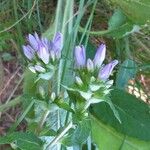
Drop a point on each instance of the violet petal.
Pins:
(106, 71)
(100, 55)
(28, 52)
(43, 53)
(80, 56)
(33, 42)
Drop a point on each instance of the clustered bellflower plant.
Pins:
(43, 54)
(91, 86)
(92, 83)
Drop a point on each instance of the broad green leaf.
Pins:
(29, 85)
(117, 19)
(134, 115)
(135, 10)
(25, 141)
(79, 135)
(107, 138)
(127, 71)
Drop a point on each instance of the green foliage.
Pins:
(134, 115)
(25, 141)
(127, 71)
(117, 19)
(79, 135)
(136, 10)
(107, 138)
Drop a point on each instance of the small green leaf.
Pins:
(123, 30)
(136, 10)
(79, 135)
(126, 72)
(46, 76)
(117, 19)
(25, 141)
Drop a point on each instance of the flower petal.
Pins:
(106, 71)
(80, 56)
(43, 53)
(33, 42)
(57, 42)
(100, 55)
(28, 52)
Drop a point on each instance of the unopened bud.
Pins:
(53, 96)
(32, 69)
(93, 79)
(90, 65)
(42, 91)
(78, 80)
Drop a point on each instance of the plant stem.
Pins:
(60, 135)
(13, 102)
(43, 119)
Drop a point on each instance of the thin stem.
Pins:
(13, 102)
(60, 135)
(43, 119)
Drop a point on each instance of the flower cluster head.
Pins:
(104, 71)
(92, 76)
(41, 52)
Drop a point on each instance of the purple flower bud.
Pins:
(33, 42)
(80, 56)
(39, 68)
(43, 53)
(28, 52)
(57, 42)
(90, 65)
(100, 55)
(106, 71)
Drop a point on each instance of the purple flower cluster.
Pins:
(96, 63)
(43, 49)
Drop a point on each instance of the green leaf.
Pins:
(126, 72)
(117, 19)
(107, 138)
(25, 141)
(134, 115)
(7, 57)
(29, 85)
(136, 10)
(122, 30)
(79, 135)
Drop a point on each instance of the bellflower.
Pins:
(57, 42)
(80, 56)
(43, 47)
(43, 52)
(39, 50)
(28, 52)
(96, 63)
(106, 71)
(33, 40)
(100, 55)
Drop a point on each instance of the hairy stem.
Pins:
(60, 135)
